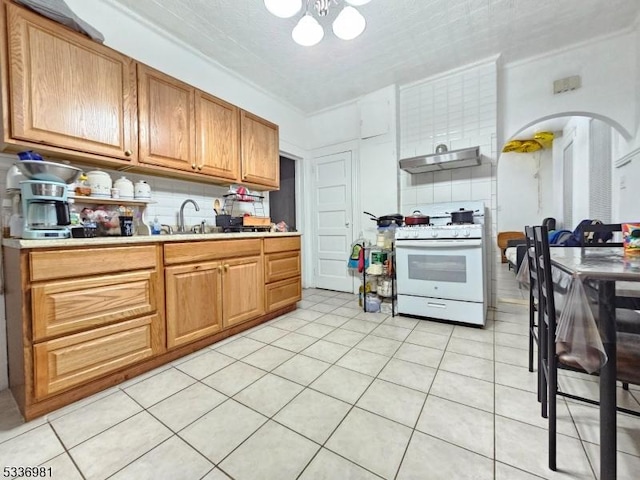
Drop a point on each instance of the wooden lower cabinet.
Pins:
(283, 293)
(193, 302)
(74, 331)
(204, 298)
(72, 360)
(283, 282)
(68, 306)
(243, 292)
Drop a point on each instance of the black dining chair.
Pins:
(555, 356)
(536, 336)
(593, 234)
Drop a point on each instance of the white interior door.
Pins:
(332, 220)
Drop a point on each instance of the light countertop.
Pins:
(114, 241)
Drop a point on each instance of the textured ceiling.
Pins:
(405, 40)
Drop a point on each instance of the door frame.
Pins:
(312, 211)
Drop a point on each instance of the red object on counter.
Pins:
(361, 260)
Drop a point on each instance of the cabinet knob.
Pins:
(193, 166)
(226, 268)
(220, 268)
(199, 167)
(128, 153)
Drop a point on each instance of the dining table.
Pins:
(606, 270)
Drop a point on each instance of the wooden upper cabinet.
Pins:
(67, 91)
(217, 137)
(167, 120)
(260, 151)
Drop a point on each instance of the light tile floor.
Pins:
(330, 392)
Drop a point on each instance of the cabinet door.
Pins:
(260, 151)
(193, 302)
(68, 306)
(217, 137)
(75, 359)
(279, 266)
(243, 289)
(283, 293)
(166, 111)
(68, 91)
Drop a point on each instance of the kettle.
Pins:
(142, 190)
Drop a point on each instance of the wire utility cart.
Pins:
(378, 278)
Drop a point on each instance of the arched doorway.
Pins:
(571, 179)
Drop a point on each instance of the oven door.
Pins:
(448, 269)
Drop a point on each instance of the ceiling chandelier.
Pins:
(308, 32)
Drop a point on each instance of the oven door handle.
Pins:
(449, 243)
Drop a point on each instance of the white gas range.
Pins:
(440, 267)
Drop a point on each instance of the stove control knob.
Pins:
(466, 233)
(434, 233)
(455, 233)
(415, 232)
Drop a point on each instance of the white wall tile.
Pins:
(460, 191)
(442, 193)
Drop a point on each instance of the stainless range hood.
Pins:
(465, 157)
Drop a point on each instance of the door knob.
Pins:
(347, 224)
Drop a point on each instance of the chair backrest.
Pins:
(534, 284)
(546, 300)
(592, 235)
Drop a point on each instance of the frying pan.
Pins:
(386, 220)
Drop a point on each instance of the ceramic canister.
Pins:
(142, 190)
(100, 183)
(125, 186)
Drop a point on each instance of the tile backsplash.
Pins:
(167, 195)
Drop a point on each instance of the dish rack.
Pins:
(235, 208)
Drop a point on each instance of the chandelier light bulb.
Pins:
(349, 24)
(357, 3)
(308, 32)
(283, 8)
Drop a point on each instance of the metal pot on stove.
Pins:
(416, 218)
(462, 216)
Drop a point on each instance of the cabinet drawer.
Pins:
(279, 266)
(190, 252)
(283, 293)
(273, 245)
(69, 306)
(69, 361)
(75, 263)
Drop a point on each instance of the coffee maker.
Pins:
(45, 209)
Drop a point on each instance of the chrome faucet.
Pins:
(181, 217)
